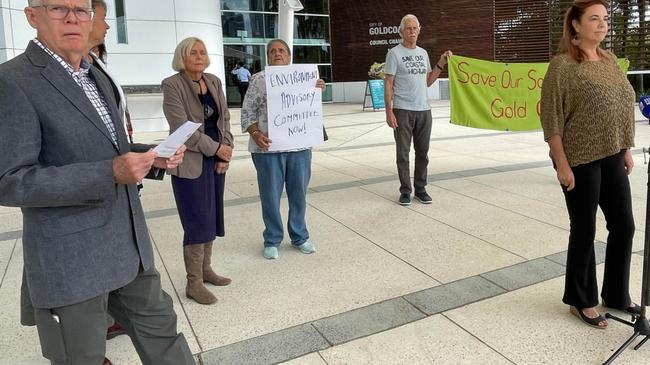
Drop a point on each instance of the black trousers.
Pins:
(243, 87)
(601, 183)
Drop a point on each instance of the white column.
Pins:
(3, 44)
(285, 20)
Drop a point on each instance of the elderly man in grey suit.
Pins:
(67, 164)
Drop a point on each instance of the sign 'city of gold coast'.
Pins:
(500, 96)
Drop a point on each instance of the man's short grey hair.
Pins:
(39, 2)
(406, 17)
(183, 51)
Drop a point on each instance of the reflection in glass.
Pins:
(120, 15)
(250, 5)
(271, 26)
(249, 25)
(311, 54)
(315, 6)
(254, 59)
(327, 93)
(271, 5)
(253, 5)
(311, 27)
(325, 72)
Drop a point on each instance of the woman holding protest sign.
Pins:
(588, 119)
(198, 182)
(277, 169)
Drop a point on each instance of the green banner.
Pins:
(500, 96)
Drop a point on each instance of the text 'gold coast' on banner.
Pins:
(500, 96)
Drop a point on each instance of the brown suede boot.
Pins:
(209, 276)
(193, 255)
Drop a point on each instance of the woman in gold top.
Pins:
(587, 115)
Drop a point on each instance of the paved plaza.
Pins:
(474, 278)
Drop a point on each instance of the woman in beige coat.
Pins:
(198, 182)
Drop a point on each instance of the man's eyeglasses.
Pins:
(58, 12)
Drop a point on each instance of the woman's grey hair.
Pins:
(277, 40)
(183, 51)
(406, 17)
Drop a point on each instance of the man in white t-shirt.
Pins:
(408, 75)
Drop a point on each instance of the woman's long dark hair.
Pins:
(100, 51)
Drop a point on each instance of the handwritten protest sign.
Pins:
(295, 108)
(501, 96)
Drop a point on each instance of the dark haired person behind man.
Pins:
(68, 165)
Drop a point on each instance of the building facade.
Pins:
(140, 44)
(342, 37)
(249, 24)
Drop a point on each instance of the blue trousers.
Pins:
(275, 171)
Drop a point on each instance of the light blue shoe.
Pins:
(306, 247)
(271, 252)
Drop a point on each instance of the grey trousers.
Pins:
(416, 126)
(76, 334)
(27, 309)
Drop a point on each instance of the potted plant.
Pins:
(377, 71)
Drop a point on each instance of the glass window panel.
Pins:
(327, 94)
(325, 72)
(315, 6)
(254, 60)
(311, 27)
(252, 5)
(311, 54)
(271, 26)
(271, 5)
(242, 25)
(120, 15)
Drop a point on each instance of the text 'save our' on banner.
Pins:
(499, 96)
(295, 107)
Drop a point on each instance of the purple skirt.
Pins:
(200, 204)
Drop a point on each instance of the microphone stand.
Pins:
(639, 323)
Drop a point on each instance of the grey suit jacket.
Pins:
(180, 104)
(83, 235)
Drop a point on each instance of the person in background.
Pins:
(100, 49)
(198, 183)
(97, 55)
(408, 75)
(277, 169)
(243, 76)
(587, 114)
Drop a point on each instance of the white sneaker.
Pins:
(270, 253)
(306, 247)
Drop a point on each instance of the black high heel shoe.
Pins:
(634, 309)
(593, 322)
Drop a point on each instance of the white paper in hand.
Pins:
(174, 141)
